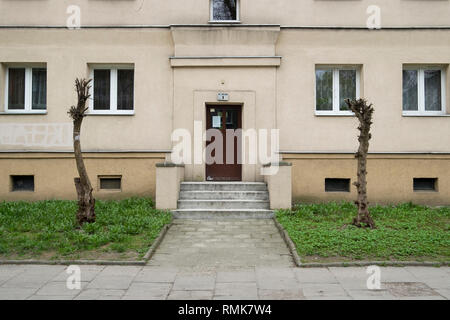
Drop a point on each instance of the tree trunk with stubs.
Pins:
(86, 202)
(363, 111)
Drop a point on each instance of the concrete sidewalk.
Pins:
(152, 282)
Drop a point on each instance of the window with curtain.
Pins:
(423, 90)
(27, 89)
(102, 87)
(39, 89)
(113, 90)
(125, 88)
(333, 86)
(16, 89)
(224, 10)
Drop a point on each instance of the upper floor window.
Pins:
(224, 10)
(112, 90)
(423, 91)
(333, 86)
(26, 89)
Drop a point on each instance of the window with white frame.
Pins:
(26, 89)
(423, 90)
(333, 86)
(224, 10)
(112, 90)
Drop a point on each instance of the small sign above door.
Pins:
(221, 96)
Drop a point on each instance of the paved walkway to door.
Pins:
(206, 244)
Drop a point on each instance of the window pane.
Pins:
(433, 90)
(125, 85)
(39, 95)
(324, 90)
(224, 10)
(16, 89)
(410, 90)
(347, 87)
(102, 83)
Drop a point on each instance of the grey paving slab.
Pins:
(190, 295)
(59, 289)
(156, 274)
(314, 275)
(26, 281)
(36, 297)
(87, 273)
(437, 278)
(236, 291)
(444, 292)
(147, 291)
(311, 290)
(100, 294)
(281, 294)
(395, 274)
(195, 281)
(248, 275)
(111, 282)
(410, 289)
(276, 278)
(351, 277)
(367, 294)
(16, 293)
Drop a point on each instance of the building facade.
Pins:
(160, 66)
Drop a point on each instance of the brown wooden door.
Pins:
(224, 118)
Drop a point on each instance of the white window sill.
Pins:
(411, 114)
(25, 113)
(224, 21)
(109, 113)
(334, 114)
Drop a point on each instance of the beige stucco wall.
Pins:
(68, 54)
(54, 174)
(389, 179)
(284, 96)
(274, 92)
(381, 55)
(284, 12)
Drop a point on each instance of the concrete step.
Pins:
(223, 186)
(223, 204)
(222, 214)
(224, 195)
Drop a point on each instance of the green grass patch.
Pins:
(48, 230)
(407, 232)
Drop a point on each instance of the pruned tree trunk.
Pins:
(363, 111)
(86, 202)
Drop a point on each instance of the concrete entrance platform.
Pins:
(222, 244)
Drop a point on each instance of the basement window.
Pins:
(22, 183)
(337, 185)
(113, 183)
(224, 11)
(425, 184)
